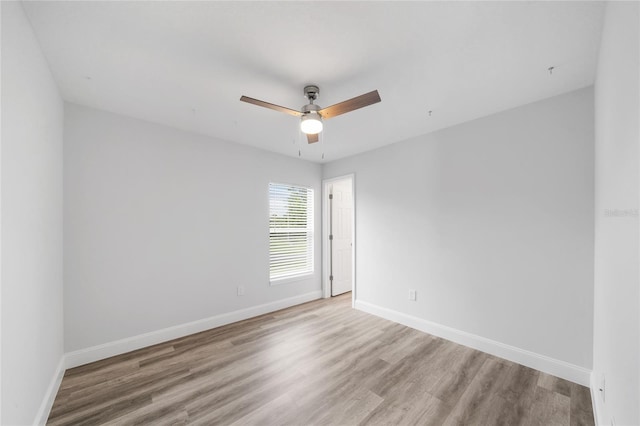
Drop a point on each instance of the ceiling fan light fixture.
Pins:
(311, 124)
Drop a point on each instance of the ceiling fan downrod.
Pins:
(311, 92)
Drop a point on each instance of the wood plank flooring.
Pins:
(321, 363)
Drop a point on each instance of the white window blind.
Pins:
(290, 231)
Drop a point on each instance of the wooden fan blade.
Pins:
(350, 105)
(312, 138)
(270, 106)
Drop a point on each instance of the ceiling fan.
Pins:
(311, 115)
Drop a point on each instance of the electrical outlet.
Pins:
(240, 290)
(412, 295)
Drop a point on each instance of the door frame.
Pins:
(326, 284)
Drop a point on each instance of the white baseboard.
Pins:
(543, 363)
(50, 395)
(96, 353)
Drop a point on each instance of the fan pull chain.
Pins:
(324, 142)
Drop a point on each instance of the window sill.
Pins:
(293, 279)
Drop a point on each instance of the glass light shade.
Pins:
(311, 124)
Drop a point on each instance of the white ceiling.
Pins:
(186, 64)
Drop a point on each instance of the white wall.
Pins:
(491, 222)
(617, 295)
(161, 226)
(32, 329)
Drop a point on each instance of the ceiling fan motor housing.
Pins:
(310, 109)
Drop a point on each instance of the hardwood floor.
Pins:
(318, 363)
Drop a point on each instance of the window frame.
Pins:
(309, 234)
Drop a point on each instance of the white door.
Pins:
(341, 234)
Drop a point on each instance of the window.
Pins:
(290, 231)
